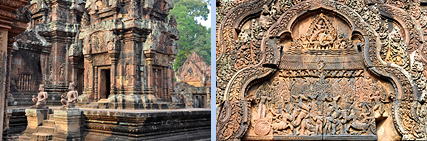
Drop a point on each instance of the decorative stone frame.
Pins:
(233, 115)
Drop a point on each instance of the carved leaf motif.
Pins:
(354, 95)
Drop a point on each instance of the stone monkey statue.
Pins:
(71, 99)
(41, 98)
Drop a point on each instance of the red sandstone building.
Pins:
(118, 52)
(194, 76)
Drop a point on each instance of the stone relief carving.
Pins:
(394, 50)
(321, 36)
(313, 106)
(260, 97)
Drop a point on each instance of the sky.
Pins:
(206, 23)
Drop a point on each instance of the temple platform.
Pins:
(116, 124)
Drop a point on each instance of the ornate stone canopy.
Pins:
(320, 69)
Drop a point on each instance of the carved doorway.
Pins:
(104, 83)
(80, 81)
(199, 101)
(158, 82)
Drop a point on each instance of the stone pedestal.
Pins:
(35, 118)
(67, 124)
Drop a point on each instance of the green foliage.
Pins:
(192, 35)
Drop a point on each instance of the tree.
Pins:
(192, 35)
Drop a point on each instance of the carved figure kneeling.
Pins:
(71, 99)
(41, 98)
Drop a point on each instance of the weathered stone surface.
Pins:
(41, 51)
(193, 83)
(191, 96)
(180, 124)
(17, 123)
(321, 70)
(67, 124)
(11, 25)
(40, 100)
(109, 124)
(127, 53)
(35, 118)
(120, 56)
(109, 50)
(119, 51)
(71, 99)
(195, 72)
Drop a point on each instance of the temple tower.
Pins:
(128, 48)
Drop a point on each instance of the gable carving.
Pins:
(319, 70)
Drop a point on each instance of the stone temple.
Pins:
(321, 70)
(193, 81)
(109, 62)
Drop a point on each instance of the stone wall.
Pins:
(17, 123)
(11, 25)
(191, 96)
(141, 125)
(95, 124)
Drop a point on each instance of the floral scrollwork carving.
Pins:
(270, 87)
(394, 49)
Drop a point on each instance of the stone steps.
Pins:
(24, 138)
(42, 136)
(44, 132)
(46, 129)
(50, 117)
(50, 123)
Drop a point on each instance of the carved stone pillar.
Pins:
(9, 67)
(208, 97)
(7, 86)
(95, 82)
(150, 74)
(74, 62)
(114, 57)
(165, 83)
(171, 76)
(88, 79)
(10, 26)
(3, 64)
(132, 88)
(44, 65)
(131, 48)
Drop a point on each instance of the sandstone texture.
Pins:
(321, 70)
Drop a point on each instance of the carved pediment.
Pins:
(320, 70)
(321, 37)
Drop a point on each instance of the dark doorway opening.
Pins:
(80, 81)
(104, 84)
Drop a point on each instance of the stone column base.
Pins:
(67, 124)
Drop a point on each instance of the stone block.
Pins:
(35, 117)
(67, 124)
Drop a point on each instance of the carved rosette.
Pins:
(363, 60)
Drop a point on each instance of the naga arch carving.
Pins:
(319, 69)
